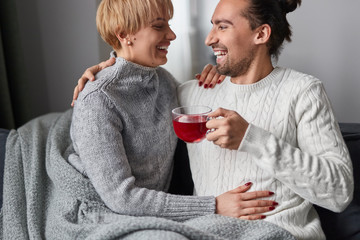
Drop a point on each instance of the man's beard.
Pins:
(238, 68)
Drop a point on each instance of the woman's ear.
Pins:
(125, 39)
(263, 33)
(122, 37)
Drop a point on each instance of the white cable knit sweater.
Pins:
(293, 147)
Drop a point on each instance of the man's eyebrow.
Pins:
(216, 22)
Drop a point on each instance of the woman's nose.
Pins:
(171, 35)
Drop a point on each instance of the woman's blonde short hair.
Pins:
(128, 17)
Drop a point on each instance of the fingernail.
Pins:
(219, 81)
(205, 86)
(248, 183)
(210, 86)
(271, 208)
(200, 84)
(197, 76)
(262, 217)
(275, 203)
(271, 193)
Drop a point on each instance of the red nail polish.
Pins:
(275, 203)
(219, 81)
(262, 217)
(205, 86)
(271, 208)
(200, 84)
(271, 193)
(210, 86)
(248, 183)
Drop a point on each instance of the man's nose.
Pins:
(211, 38)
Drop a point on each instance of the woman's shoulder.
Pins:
(92, 87)
(115, 80)
(167, 76)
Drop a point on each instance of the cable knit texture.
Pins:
(293, 147)
(46, 198)
(124, 142)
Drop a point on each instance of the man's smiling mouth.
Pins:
(220, 54)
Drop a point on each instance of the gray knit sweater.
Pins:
(124, 142)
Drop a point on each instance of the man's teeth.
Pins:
(220, 53)
(163, 47)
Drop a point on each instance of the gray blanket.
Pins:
(46, 198)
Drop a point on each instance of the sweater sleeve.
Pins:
(96, 132)
(319, 169)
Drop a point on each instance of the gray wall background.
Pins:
(60, 41)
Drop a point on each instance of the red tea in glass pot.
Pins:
(190, 122)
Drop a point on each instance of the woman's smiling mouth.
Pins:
(163, 48)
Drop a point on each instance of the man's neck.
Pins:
(257, 71)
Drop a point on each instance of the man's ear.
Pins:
(263, 33)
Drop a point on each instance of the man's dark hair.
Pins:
(273, 13)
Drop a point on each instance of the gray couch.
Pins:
(341, 226)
